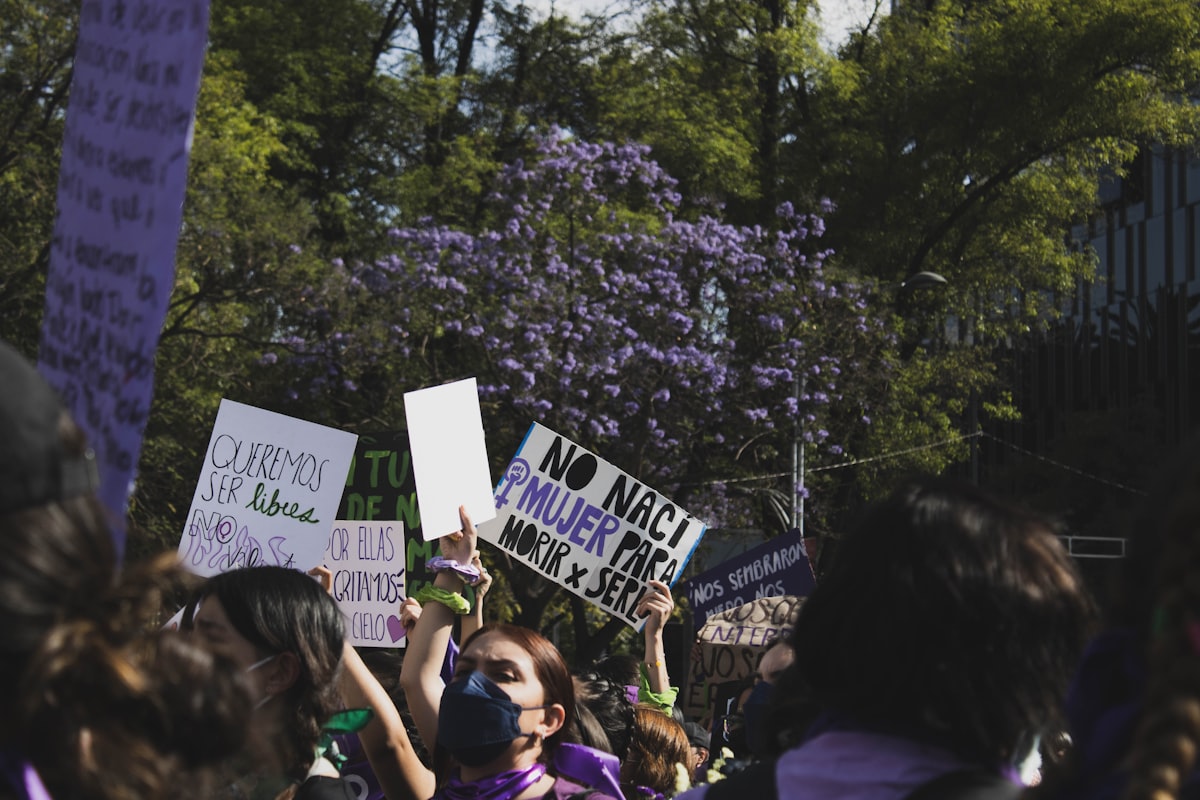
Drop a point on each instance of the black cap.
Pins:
(697, 736)
(34, 470)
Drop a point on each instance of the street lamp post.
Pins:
(918, 280)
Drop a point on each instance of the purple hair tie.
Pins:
(468, 572)
(21, 776)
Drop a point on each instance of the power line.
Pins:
(897, 453)
(932, 446)
(1066, 467)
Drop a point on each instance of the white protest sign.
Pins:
(449, 456)
(587, 525)
(268, 492)
(367, 560)
(120, 204)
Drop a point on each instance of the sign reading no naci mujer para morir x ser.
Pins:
(588, 526)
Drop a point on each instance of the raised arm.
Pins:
(421, 676)
(657, 605)
(385, 739)
(474, 621)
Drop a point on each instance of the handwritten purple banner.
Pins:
(120, 205)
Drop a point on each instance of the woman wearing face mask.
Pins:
(281, 627)
(499, 724)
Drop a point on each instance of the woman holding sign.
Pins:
(500, 722)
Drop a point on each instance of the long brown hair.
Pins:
(658, 743)
(1163, 751)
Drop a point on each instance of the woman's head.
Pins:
(603, 713)
(100, 707)
(518, 664)
(59, 557)
(148, 718)
(656, 745)
(287, 632)
(949, 612)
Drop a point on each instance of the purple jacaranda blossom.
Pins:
(595, 299)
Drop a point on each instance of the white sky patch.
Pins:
(838, 17)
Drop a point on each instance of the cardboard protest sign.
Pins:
(267, 493)
(120, 203)
(449, 454)
(587, 525)
(773, 569)
(367, 560)
(731, 644)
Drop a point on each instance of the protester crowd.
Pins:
(950, 650)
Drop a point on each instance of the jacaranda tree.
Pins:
(597, 301)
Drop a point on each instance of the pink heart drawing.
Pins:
(395, 628)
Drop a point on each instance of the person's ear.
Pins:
(553, 717)
(282, 673)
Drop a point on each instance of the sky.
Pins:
(838, 17)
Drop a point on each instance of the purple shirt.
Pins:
(855, 765)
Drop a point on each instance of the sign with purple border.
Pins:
(591, 528)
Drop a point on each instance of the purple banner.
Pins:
(774, 569)
(120, 205)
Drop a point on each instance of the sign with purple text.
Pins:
(268, 492)
(588, 526)
(773, 569)
(120, 204)
(367, 560)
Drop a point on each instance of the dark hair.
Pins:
(1163, 751)
(658, 743)
(620, 668)
(59, 563)
(97, 706)
(282, 610)
(946, 611)
(150, 718)
(604, 714)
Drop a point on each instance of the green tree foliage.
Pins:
(962, 137)
(966, 138)
(717, 87)
(238, 274)
(36, 46)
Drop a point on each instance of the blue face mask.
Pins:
(477, 721)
